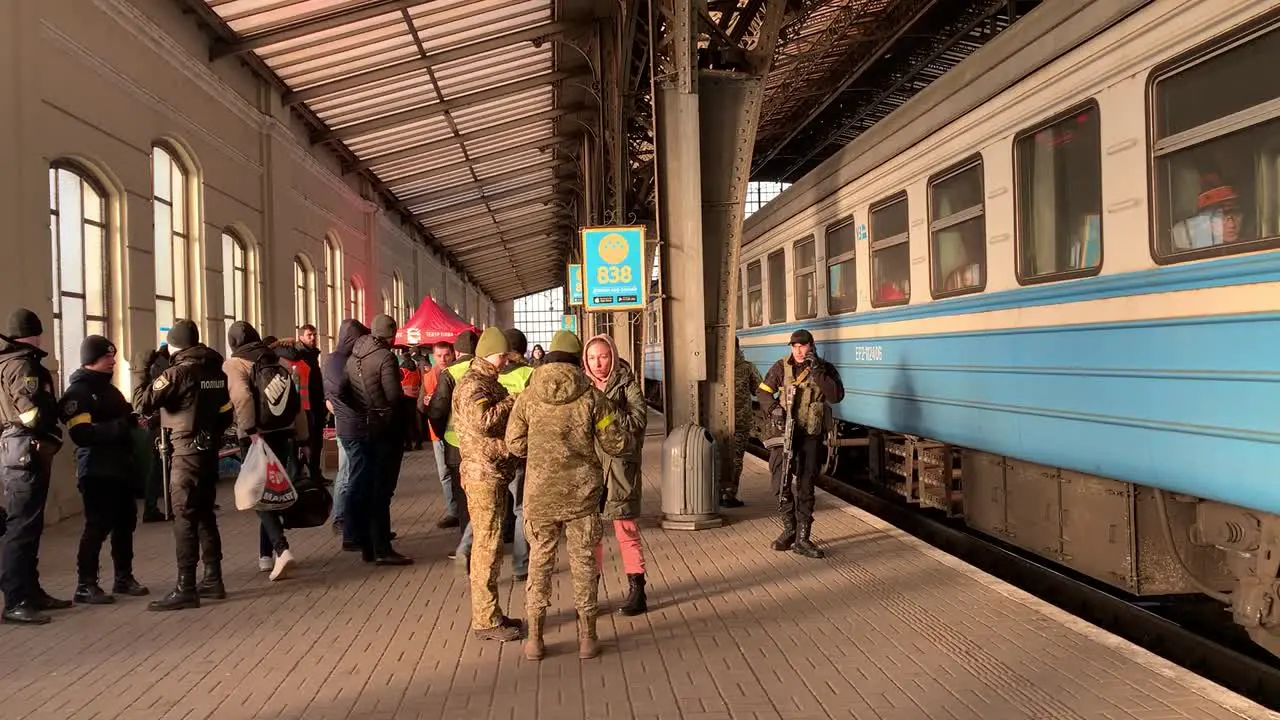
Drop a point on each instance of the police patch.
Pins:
(161, 383)
(31, 383)
(69, 407)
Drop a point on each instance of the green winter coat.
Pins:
(623, 480)
(556, 424)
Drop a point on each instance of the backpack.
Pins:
(276, 398)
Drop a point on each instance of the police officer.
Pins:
(101, 423)
(804, 385)
(195, 410)
(28, 441)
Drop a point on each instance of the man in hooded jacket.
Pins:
(612, 376)
(350, 426)
(195, 409)
(557, 424)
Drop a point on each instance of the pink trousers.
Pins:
(628, 535)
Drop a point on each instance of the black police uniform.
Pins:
(796, 503)
(29, 440)
(156, 362)
(101, 422)
(195, 409)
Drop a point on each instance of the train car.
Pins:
(1050, 282)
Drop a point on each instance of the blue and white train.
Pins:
(1051, 283)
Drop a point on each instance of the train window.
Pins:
(842, 289)
(1059, 197)
(755, 296)
(890, 253)
(1217, 149)
(777, 287)
(957, 231)
(806, 279)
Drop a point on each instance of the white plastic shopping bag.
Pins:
(263, 484)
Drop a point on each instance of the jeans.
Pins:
(367, 509)
(340, 484)
(445, 473)
(520, 545)
(271, 539)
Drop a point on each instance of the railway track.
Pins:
(1173, 631)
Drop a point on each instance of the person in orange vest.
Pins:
(303, 353)
(443, 356)
(411, 384)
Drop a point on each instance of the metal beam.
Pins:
(540, 144)
(483, 203)
(745, 18)
(552, 222)
(485, 197)
(538, 33)
(849, 79)
(452, 230)
(439, 108)
(483, 182)
(511, 253)
(490, 131)
(544, 237)
(302, 28)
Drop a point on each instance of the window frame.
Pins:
(757, 262)
(885, 244)
(768, 260)
(355, 298)
(954, 219)
(851, 256)
(1220, 44)
(67, 357)
(182, 302)
(797, 272)
(307, 288)
(228, 305)
(1090, 103)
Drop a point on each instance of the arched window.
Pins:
(355, 299)
(397, 297)
(78, 231)
(332, 285)
(171, 207)
(386, 302)
(303, 292)
(235, 279)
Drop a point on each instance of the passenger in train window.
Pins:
(892, 268)
(960, 253)
(1219, 217)
(806, 386)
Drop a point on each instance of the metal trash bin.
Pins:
(690, 496)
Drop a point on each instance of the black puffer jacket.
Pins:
(100, 421)
(350, 420)
(373, 376)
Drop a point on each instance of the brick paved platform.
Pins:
(885, 628)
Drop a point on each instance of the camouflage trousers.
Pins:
(487, 506)
(581, 538)
(729, 483)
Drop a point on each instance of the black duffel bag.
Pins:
(313, 506)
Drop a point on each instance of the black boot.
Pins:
(25, 613)
(803, 545)
(635, 604)
(88, 592)
(129, 585)
(182, 597)
(211, 587)
(788, 536)
(42, 600)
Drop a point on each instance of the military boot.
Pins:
(211, 587)
(803, 545)
(88, 592)
(182, 597)
(534, 648)
(788, 536)
(127, 584)
(588, 642)
(635, 603)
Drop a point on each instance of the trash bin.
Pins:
(690, 496)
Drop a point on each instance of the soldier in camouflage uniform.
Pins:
(745, 381)
(481, 406)
(556, 424)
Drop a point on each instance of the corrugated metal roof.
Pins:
(452, 105)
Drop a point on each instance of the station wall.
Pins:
(93, 88)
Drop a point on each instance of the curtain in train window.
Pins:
(1217, 151)
(842, 287)
(755, 295)
(777, 287)
(78, 232)
(957, 232)
(806, 290)
(890, 254)
(1059, 171)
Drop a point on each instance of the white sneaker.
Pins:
(283, 561)
(265, 564)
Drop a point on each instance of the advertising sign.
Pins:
(613, 268)
(575, 285)
(569, 323)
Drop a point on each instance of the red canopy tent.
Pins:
(431, 323)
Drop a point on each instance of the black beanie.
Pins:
(465, 344)
(183, 335)
(94, 348)
(516, 341)
(23, 324)
(384, 327)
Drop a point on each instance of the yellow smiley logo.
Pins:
(613, 248)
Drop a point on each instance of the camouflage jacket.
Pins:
(746, 379)
(481, 406)
(556, 423)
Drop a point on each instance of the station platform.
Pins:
(885, 628)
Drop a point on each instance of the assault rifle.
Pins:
(788, 444)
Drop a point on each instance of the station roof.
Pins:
(456, 111)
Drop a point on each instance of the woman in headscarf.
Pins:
(614, 377)
(536, 357)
